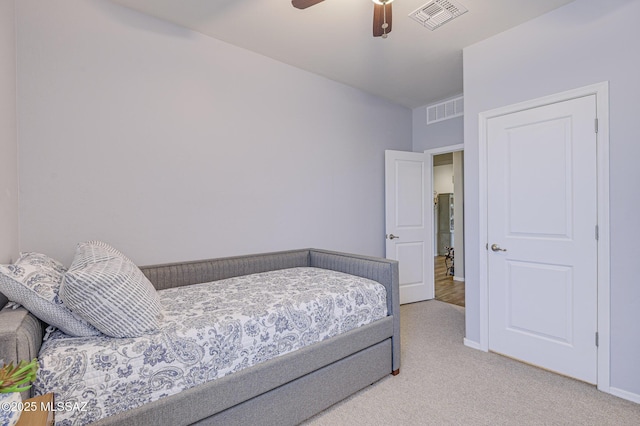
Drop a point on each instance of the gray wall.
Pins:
(577, 45)
(8, 135)
(436, 135)
(172, 145)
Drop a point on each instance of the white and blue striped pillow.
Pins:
(109, 291)
(33, 281)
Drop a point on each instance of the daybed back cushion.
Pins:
(203, 271)
(107, 289)
(34, 281)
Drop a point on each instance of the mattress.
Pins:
(209, 330)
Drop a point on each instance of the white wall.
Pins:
(8, 136)
(579, 44)
(443, 179)
(172, 145)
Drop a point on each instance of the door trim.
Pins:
(601, 91)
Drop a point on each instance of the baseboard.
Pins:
(458, 278)
(472, 344)
(630, 396)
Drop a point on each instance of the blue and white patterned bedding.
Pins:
(209, 330)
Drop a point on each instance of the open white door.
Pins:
(408, 235)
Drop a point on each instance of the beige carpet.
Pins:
(443, 382)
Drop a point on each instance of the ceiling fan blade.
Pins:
(303, 4)
(379, 15)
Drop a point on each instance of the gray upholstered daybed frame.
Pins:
(284, 390)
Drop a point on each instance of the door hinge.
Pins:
(597, 340)
(596, 125)
(597, 233)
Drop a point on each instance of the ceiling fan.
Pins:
(381, 14)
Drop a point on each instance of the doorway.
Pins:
(447, 165)
(409, 221)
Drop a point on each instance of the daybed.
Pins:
(283, 390)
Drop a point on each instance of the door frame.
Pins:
(601, 90)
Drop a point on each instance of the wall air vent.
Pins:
(445, 110)
(437, 12)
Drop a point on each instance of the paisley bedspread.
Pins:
(209, 330)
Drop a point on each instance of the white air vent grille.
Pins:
(437, 12)
(445, 110)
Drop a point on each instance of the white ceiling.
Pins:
(412, 67)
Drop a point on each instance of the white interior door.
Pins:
(408, 233)
(542, 236)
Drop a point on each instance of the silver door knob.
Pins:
(496, 247)
(391, 236)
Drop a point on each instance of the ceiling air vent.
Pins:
(445, 110)
(437, 12)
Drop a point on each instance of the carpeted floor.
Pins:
(443, 382)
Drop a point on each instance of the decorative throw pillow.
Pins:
(34, 282)
(109, 291)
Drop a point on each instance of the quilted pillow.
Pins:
(110, 292)
(34, 282)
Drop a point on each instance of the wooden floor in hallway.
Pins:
(447, 289)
